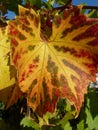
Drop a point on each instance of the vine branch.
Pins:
(67, 7)
(90, 7)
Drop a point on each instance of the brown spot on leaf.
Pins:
(33, 84)
(31, 47)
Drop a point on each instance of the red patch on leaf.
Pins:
(93, 43)
(78, 21)
(23, 77)
(23, 20)
(13, 31)
(14, 42)
(16, 58)
(93, 31)
(83, 53)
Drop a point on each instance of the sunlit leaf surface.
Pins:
(55, 56)
(9, 92)
(5, 78)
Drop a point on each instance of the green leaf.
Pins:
(87, 129)
(93, 13)
(62, 2)
(67, 126)
(64, 122)
(83, 10)
(48, 116)
(41, 121)
(89, 118)
(96, 122)
(80, 126)
(35, 3)
(50, 2)
(27, 121)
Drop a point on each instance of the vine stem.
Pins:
(67, 7)
(90, 7)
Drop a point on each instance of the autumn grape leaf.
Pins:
(9, 91)
(55, 57)
(5, 79)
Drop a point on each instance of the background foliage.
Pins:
(13, 119)
(16, 117)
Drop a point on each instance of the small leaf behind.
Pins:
(28, 122)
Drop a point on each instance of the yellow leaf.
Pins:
(9, 91)
(5, 79)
